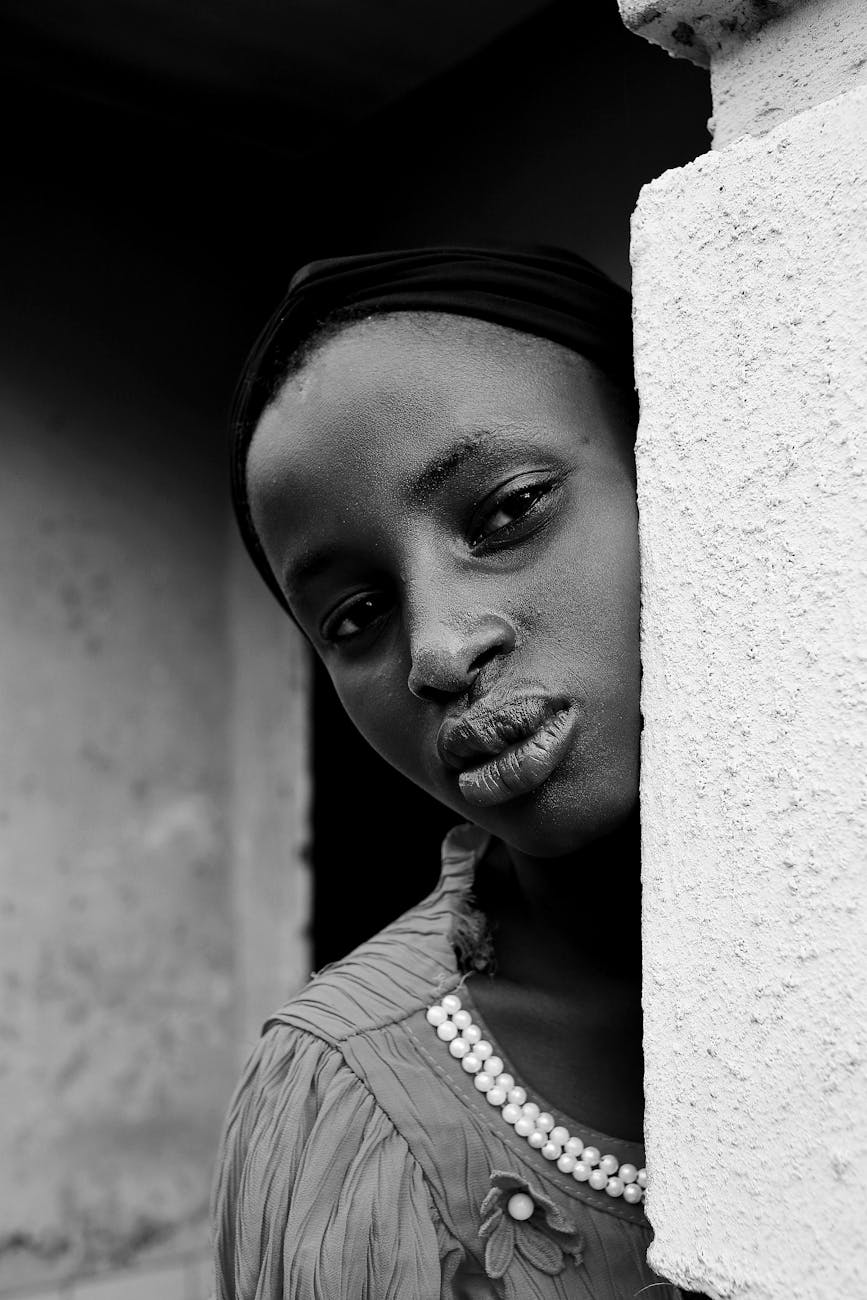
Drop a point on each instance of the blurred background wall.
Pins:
(187, 826)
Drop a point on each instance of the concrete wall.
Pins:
(750, 268)
(152, 888)
(785, 67)
(116, 941)
(270, 834)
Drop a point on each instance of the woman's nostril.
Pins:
(484, 657)
(432, 695)
(441, 671)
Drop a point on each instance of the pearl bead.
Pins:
(521, 1206)
(466, 1044)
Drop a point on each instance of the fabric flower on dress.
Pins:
(544, 1239)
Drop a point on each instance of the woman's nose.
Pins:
(446, 661)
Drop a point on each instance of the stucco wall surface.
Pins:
(812, 53)
(153, 786)
(270, 829)
(698, 29)
(153, 818)
(750, 266)
(116, 950)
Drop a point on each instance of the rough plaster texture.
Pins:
(142, 784)
(812, 53)
(271, 698)
(116, 953)
(750, 266)
(153, 805)
(769, 59)
(699, 29)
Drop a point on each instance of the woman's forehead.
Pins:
(404, 382)
(419, 354)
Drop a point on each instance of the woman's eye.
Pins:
(510, 509)
(354, 618)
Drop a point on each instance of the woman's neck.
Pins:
(563, 923)
(565, 1002)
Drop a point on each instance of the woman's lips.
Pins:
(521, 744)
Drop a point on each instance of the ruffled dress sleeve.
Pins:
(317, 1196)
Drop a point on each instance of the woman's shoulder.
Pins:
(404, 967)
(322, 1185)
(316, 1192)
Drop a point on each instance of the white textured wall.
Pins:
(116, 945)
(699, 29)
(816, 52)
(751, 320)
(270, 714)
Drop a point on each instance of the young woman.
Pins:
(433, 470)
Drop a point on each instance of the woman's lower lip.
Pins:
(522, 767)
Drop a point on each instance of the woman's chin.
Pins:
(558, 819)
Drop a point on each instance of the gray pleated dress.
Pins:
(360, 1162)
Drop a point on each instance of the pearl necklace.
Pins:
(586, 1164)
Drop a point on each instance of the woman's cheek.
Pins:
(374, 708)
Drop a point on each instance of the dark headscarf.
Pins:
(549, 292)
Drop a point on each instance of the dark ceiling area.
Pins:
(290, 75)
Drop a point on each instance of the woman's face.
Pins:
(450, 507)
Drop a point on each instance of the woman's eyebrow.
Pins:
(444, 466)
(310, 564)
